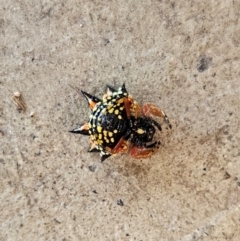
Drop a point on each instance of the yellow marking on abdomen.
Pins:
(99, 129)
(105, 133)
(111, 111)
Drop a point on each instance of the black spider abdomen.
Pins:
(117, 127)
(111, 122)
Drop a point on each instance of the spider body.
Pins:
(116, 125)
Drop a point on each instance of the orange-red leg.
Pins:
(132, 107)
(122, 146)
(143, 152)
(150, 110)
(135, 109)
(127, 107)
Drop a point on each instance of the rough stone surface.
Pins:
(184, 56)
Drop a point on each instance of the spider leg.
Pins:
(135, 109)
(122, 145)
(127, 105)
(131, 107)
(156, 124)
(150, 110)
(144, 151)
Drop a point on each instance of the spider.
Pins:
(118, 124)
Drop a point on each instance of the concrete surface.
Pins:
(184, 56)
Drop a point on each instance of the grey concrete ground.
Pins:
(184, 56)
